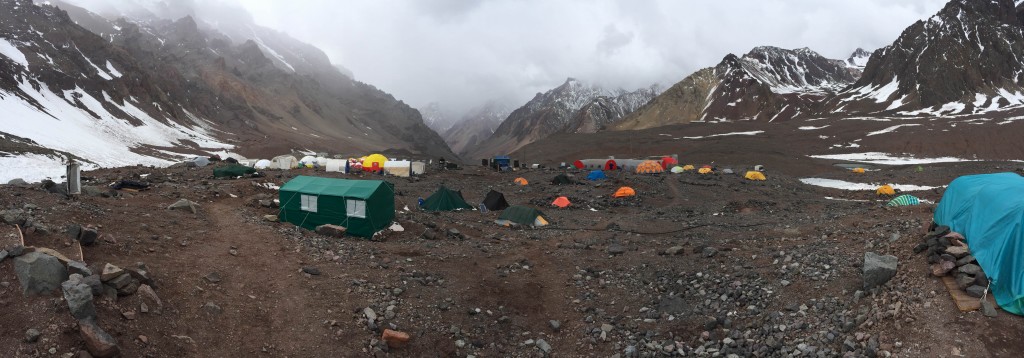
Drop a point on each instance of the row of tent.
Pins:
(445, 199)
(375, 163)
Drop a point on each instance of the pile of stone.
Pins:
(949, 255)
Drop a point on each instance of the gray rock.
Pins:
(120, 282)
(97, 342)
(184, 204)
(429, 234)
(709, 251)
(674, 250)
(970, 269)
(212, 277)
(141, 274)
(88, 235)
(616, 249)
(975, 291)
(32, 335)
(78, 295)
(878, 269)
(630, 351)
(988, 309)
(110, 272)
(16, 251)
(672, 304)
(555, 325)
(94, 284)
(17, 181)
(312, 270)
(370, 314)
(74, 231)
(212, 308)
(969, 259)
(271, 218)
(331, 230)
(964, 281)
(3, 255)
(79, 267)
(544, 346)
(39, 273)
(150, 299)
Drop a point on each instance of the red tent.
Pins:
(667, 162)
(610, 165)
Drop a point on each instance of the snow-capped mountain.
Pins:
(556, 111)
(768, 83)
(966, 59)
(437, 118)
(152, 92)
(476, 126)
(606, 109)
(859, 58)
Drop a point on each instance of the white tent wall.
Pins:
(284, 162)
(593, 164)
(398, 168)
(628, 164)
(262, 164)
(335, 165)
(418, 168)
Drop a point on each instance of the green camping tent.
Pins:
(445, 199)
(232, 171)
(522, 215)
(904, 200)
(362, 206)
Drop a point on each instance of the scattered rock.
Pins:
(110, 272)
(150, 299)
(975, 291)
(674, 250)
(79, 267)
(878, 269)
(616, 249)
(331, 230)
(970, 269)
(709, 251)
(312, 270)
(555, 325)
(942, 268)
(212, 308)
(988, 309)
(141, 274)
(98, 342)
(184, 204)
(271, 218)
(429, 234)
(88, 235)
(3, 255)
(370, 314)
(957, 251)
(969, 259)
(32, 335)
(394, 339)
(544, 346)
(39, 273)
(78, 295)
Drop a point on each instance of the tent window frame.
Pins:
(308, 203)
(355, 208)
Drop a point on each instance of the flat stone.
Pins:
(212, 308)
(184, 204)
(674, 250)
(331, 230)
(79, 267)
(975, 291)
(878, 269)
(110, 272)
(39, 273)
(616, 249)
(709, 251)
(212, 277)
(120, 282)
(964, 281)
(271, 218)
(969, 259)
(942, 268)
(957, 251)
(78, 295)
(312, 270)
(141, 274)
(970, 269)
(98, 342)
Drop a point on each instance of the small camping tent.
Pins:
(649, 167)
(374, 163)
(262, 164)
(624, 192)
(561, 179)
(688, 167)
(232, 171)
(197, 162)
(596, 175)
(885, 190)
(522, 215)
(561, 202)
(754, 175)
(904, 200)
(398, 168)
(858, 170)
(495, 201)
(988, 210)
(284, 162)
(363, 207)
(308, 161)
(445, 199)
(668, 162)
(676, 169)
(521, 181)
(705, 170)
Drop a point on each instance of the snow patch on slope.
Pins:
(845, 185)
(888, 159)
(8, 49)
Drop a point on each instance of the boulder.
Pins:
(78, 295)
(110, 272)
(331, 230)
(17, 181)
(878, 269)
(394, 339)
(141, 274)
(79, 267)
(88, 235)
(98, 342)
(184, 204)
(39, 273)
(964, 281)
(975, 291)
(150, 299)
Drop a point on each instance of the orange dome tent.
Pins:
(858, 170)
(688, 167)
(624, 192)
(704, 170)
(754, 175)
(885, 190)
(521, 181)
(649, 167)
(561, 202)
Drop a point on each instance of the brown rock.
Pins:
(331, 230)
(957, 251)
(110, 272)
(394, 339)
(149, 298)
(942, 268)
(98, 342)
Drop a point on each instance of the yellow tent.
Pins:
(374, 162)
(688, 167)
(521, 181)
(858, 170)
(624, 192)
(885, 190)
(704, 170)
(753, 175)
(649, 166)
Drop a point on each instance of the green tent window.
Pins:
(308, 203)
(355, 208)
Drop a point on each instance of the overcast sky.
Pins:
(461, 53)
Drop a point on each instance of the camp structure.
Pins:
(705, 170)
(688, 167)
(336, 165)
(502, 162)
(649, 167)
(596, 164)
(363, 207)
(624, 192)
(561, 179)
(858, 170)
(988, 210)
(445, 199)
(374, 163)
(596, 175)
(232, 171)
(418, 168)
(885, 190)
(754, 175)
(284, 162)
(197, 162)
(398, 168)
(904, 200)
(561, 202)
(262, 164)
(495, 201)
(308, 161)
(676, 169)
(668, 162)
(628, 164)
(521, 215)
(728, 171)
(521, 181)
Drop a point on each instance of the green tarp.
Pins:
(988, 210)
(362, 206)
(232, 171)
(445, 199)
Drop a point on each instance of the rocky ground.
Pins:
(692, 266)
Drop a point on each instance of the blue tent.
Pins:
(988, 210)
(596, 175)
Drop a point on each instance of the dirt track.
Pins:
(776, 245)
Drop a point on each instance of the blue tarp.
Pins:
(988, 209)
(596, 175)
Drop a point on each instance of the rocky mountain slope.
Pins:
(966, 59)
(475, 126)
(574, 106)
(145, 92)
(766, 84)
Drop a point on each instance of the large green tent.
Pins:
(445, 199)
(232, 171)
(522, 215)
(362, 206)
